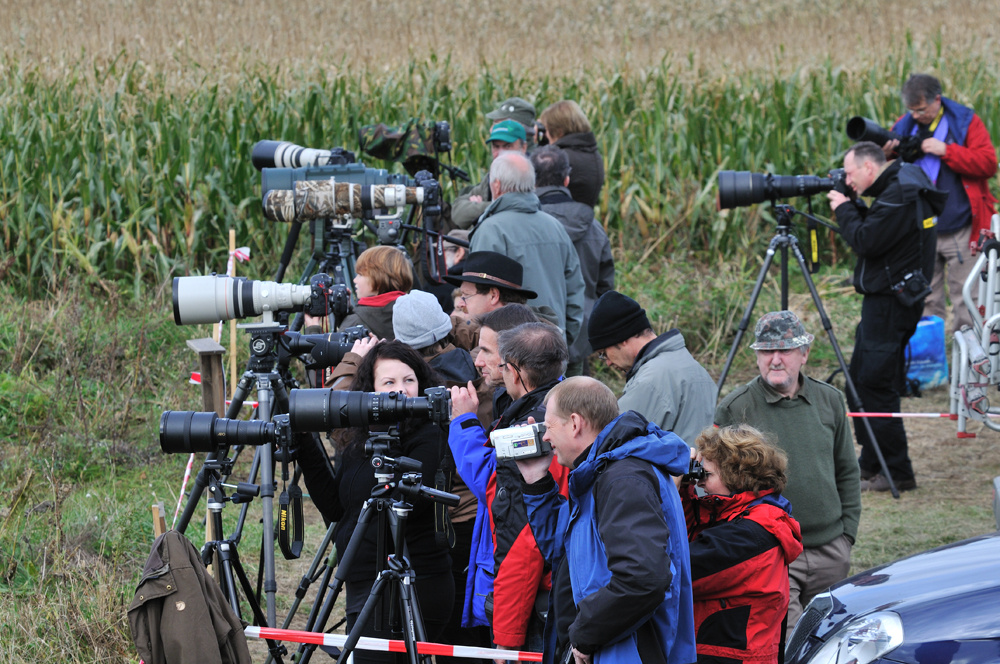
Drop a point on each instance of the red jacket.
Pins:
(741, 547)
(971, 155)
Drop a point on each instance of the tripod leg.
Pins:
(748, 312)
(232, 565)
(366, 612)
(413, 622)
(852, 391)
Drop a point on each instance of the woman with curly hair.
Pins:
(742, 539)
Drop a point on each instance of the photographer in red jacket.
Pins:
(958, 157)
(742, 539)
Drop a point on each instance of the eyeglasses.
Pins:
(511, 365)
(465, 296)
(603, 355)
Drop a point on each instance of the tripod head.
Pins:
(410, 485)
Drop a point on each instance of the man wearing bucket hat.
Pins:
(807, 419)
(663, 382)
(505, 135)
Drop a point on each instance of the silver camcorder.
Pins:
(521, 442)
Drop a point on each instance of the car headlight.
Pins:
(862, 640)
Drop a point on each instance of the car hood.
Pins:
(947, 597)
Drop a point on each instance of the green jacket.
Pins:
(515, 226)
(464, 212)
(824, 482)
(179, 613)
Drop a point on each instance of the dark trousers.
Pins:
(878, 367)
(435, 595)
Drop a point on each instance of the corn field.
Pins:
(111, 170)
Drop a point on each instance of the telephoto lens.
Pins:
(214, 298)
(190, 431)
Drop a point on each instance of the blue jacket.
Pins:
(646, 578)
(476, 463)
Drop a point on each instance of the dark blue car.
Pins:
(934, 607)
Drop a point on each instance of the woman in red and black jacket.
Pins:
(742, 539)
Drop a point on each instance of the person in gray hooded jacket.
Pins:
(552, 181)
(515, 226)
(663, 382)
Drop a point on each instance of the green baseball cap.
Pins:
(514, 108)
(508, 131)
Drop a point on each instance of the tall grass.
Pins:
(114, 175)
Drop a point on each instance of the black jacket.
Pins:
(587, 167)
(888, 236)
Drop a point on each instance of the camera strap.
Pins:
(290, 518)
(444, 531)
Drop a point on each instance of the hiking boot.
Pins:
(881, 483)
(868, 474)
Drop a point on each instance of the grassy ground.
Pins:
(122, 128)
(86, 377)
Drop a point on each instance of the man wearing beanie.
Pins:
(663, 382)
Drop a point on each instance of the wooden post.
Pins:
(213, 377)
(159, 519)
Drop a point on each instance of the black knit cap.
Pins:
(614, 319)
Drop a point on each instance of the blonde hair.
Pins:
(387, 268)
(747, 460)
(564, 117)
(587, 397)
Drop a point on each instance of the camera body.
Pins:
(696, 471)
(520, 442)
(838, 176)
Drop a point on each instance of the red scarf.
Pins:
(381, 300)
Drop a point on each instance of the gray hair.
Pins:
(513, 172)
(538, 350)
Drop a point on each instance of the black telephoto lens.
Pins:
(740, 189)
(325, 409)
(191, 431)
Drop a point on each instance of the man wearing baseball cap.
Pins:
(663, 382)
(807, 419)
(508, 132)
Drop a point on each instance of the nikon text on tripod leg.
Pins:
(848, 381)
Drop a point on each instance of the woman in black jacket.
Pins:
(567, 126)
(389, 366)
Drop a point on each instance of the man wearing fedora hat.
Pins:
(663, 382)
(515, 226)
(505, 135)
(488, 281)
(807, 419)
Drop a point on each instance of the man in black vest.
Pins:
(895, 243)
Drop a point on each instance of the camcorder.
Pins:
(310, 410)
(863, 129)
(214, 298)
(743, 188)
(520, 442)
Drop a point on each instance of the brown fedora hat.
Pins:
(493, 269)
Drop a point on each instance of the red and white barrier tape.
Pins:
(931, 415)
(386, 645)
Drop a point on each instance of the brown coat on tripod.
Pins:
(179, 613)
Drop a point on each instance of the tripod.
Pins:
(270, 392)
(390, 501)
(225, 552)
(784, 241)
